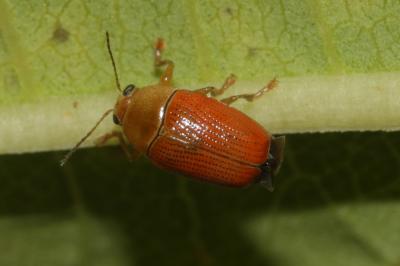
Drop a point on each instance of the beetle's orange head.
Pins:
(122, 104)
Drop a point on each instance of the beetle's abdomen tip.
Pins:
(276, 152)
(271, 167)
(268, 184)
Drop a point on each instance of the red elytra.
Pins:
(192, 133)
(206, 139)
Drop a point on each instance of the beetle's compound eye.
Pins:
(128, 90)
(116, 120)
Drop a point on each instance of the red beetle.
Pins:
(191, 133)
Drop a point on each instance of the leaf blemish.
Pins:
(229, 11)
(252, 51)
(60, 34)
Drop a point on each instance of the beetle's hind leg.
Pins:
(166, 77)
(213, 91)
(130, 153)
(250, 97)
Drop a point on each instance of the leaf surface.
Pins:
(337, 196)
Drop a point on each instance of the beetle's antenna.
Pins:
(68, 155)
(112, 61)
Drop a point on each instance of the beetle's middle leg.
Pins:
(131, 154)
(250, 97)
(166, 77)
(213, 91)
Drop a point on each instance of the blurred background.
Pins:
(336, 201)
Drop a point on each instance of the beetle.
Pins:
(191, 132)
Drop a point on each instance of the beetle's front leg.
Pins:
(131, 154)
(213, 91)
(166, 77)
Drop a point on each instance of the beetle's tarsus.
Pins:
(166, 77)
(213, 91)
(251, 97)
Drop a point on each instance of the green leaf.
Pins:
(336, 198)
(337, 62)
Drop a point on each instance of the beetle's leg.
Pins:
(166, 77)
(130, 153)
(250, 97)
(213, 91)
